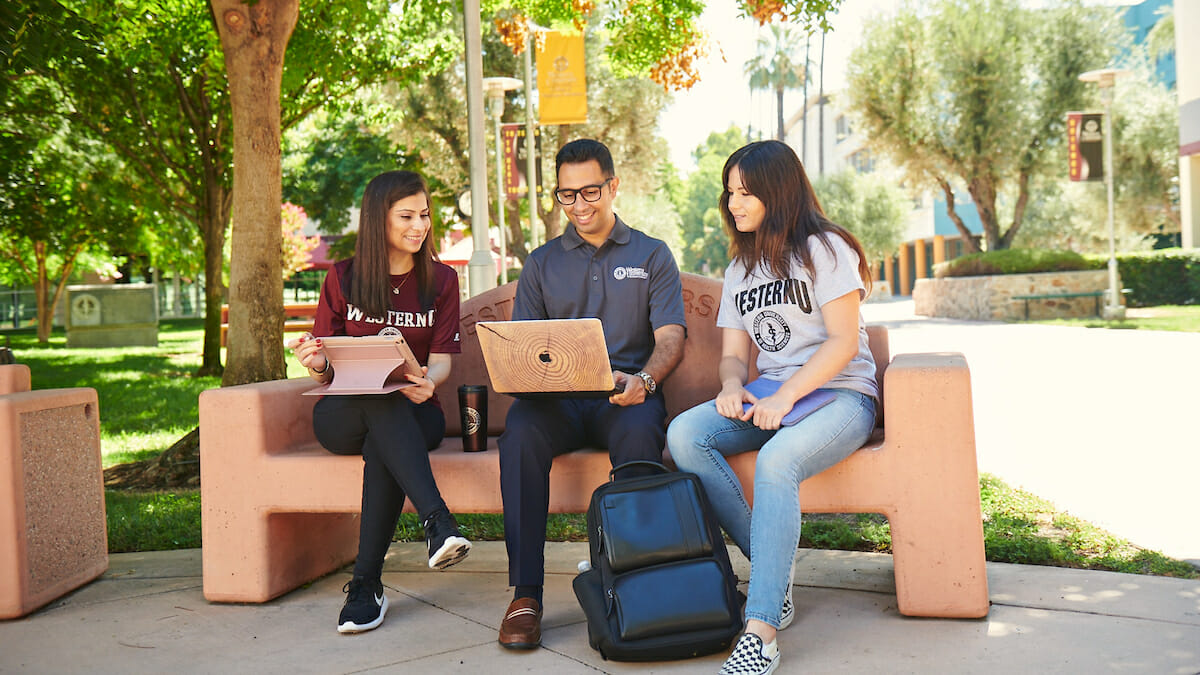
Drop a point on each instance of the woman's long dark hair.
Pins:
(371, 284)
(772, 172)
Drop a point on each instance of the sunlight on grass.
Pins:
(148, 395)
(1177, 318)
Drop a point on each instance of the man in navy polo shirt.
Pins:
(599, 267)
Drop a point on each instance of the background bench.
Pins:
(279, 511)
(298, 318)
(53, 533)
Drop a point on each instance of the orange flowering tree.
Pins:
(658, 38)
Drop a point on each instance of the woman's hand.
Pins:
(768, 412)
(422, 389)
(729, 401)
(311, 355)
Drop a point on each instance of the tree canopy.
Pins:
(973, 94)
(869, 205)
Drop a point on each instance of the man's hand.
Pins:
(633, 389)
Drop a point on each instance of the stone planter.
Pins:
(990, 298)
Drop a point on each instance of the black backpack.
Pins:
(660, 585)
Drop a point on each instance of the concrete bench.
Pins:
(53, 533)
(298, 318)
(279, 511)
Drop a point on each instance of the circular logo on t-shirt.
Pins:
(619, 273)
(771, 332)
(390, 331)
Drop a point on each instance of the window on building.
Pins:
(862, 161)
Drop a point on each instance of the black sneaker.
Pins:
(365, 606)
(446, 546)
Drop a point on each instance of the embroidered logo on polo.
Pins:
(771, 332)
(621, 273)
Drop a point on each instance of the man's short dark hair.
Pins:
(584, 150)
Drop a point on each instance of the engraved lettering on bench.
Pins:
(700, 306)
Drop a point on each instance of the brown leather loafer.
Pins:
(522, 625)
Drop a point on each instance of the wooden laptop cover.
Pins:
(361, 365)
(547, 356)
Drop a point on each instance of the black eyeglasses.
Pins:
(590, 193)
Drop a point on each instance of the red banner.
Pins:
(515, 184)
(1085, 146)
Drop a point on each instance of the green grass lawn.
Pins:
(1182, 318)
(148, 400)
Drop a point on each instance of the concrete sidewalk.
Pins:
(148, 615)
(1103, 423)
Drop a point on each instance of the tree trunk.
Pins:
(254, 38)
(1018, 210)
(804, 105)
(780, 135)
(516, 236)
(968, 239)
(212, 228)
(552, 219)
(821, 113)
(983, 192)
(45, 314)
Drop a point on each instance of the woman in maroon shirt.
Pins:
(392, 284)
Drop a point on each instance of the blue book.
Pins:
(807, 405)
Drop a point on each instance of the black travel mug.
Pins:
(472, 406)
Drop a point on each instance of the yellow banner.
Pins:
(562, 84)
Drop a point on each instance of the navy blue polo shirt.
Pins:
(631, 283)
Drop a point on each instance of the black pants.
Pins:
(394, 437)
(535, 432)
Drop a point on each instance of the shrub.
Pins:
(1163, 277)
(1014, 261)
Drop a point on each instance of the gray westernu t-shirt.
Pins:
(783, 316)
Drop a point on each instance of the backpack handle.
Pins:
(612, 475)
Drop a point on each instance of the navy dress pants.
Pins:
(538, 430)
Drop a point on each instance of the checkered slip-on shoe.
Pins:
(751, 657)
(788, 614)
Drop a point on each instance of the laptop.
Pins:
(547, 357)
(361, 365)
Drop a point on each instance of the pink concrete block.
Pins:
(53, 534)
(14, 377)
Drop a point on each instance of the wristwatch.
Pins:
(648, 380)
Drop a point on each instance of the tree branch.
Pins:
(968, 237)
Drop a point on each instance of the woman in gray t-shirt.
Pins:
(793, 290)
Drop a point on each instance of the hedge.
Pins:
(1163, 277)
(1014, 261)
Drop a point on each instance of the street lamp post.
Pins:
(495, 88)
(481, 270)
(1105, 79)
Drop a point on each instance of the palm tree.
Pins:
(774, 68)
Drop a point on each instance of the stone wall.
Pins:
(990, 298)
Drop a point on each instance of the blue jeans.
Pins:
(701, 438)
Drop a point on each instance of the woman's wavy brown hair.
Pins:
(371, 285)
(772, 172)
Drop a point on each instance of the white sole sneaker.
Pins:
(452, 552)
(351, 627)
